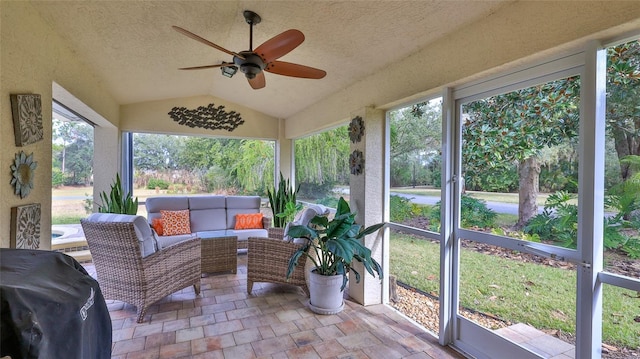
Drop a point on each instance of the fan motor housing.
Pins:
(251, 65)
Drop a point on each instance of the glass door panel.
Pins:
(414, 269)
(526, 299)
(620, 315)
(622, 161)
(518, 222)
(520, 163)
(415, 136)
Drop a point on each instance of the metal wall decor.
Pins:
(356, 129)
(25, 226)
(22, 173)
(356, 162)
(209, 117)
(26, 110)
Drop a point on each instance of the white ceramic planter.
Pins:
(325, 294)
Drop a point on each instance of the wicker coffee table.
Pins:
(219, 254)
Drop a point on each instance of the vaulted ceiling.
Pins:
(135, 53)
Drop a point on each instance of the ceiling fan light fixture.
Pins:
(252, 63)
(250, 70)
(229, 71)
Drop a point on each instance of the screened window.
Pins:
(169, 164)
(322, 167)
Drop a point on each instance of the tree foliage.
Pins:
(157, 152)
(513, 128)
(322, 161)
(206, 163)
(505, 129)
(623, 101)
(415, 136)
(72, 152)
(254, 166)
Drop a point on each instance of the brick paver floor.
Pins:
(273, 322)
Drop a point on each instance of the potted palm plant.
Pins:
(332, 246)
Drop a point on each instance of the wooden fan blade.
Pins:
(279, 45)
(257, 82)
(205, 41)
(205, 66)
(294, 70)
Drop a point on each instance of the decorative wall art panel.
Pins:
(26, 110)
(356, 129)
(25, 226)
(209, 117)
(356, 162)
(22, 174)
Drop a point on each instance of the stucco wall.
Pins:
(32, 57)
(526, 29)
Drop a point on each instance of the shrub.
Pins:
(402, 209)
(474, 213)
(88, 204)
(632, 247)
(157, 182)
(559, 223)
(316, 191)
(176, 188)
(215, 179)
(57, 177)
(331, 202)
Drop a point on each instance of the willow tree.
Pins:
(242, 163)
(513, 128)
(322, 160)
(255, 166)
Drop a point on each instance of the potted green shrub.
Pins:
(283, 203)
(332, 246)
(117, 201)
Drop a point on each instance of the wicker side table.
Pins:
(219, 254)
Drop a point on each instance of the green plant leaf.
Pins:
(336, 244)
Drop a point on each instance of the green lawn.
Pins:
(69, 208)
(515, 291)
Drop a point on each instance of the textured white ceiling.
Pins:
(132, 48)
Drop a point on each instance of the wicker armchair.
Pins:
(124, 274)
(268, 259)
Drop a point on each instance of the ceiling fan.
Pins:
(253, 63)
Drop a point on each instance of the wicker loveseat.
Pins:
(129, 265)
(209, 215)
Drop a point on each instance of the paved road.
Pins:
(498, 207)
(68, 198)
